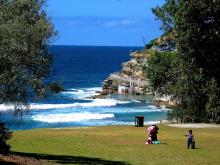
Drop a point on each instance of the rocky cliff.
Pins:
(132, 78)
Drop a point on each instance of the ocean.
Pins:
(81, 70)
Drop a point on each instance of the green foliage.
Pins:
(166, 14)
(213, 103)
(198, 26)
(176, 114)
(158, 70)
(25, 31)
(189, 89)
(194, 76)
(196, 23)
(5, 135)
(150, 44)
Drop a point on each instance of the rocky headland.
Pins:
(132, 80)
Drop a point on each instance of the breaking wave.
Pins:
(93, 103)
(82, 93)
(74, 117)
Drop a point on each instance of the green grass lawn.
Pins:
(118, 145)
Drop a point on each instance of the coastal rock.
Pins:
(132, 80)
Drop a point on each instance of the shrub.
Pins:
(5, 135)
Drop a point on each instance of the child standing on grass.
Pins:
(190, 140)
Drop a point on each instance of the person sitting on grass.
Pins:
(152, 134)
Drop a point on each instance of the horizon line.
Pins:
(98, 45)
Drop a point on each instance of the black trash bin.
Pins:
(139, 121)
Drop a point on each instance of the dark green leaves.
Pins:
(25, 32)
(193, 78)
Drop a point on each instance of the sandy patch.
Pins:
(20, 160)
(195, 125)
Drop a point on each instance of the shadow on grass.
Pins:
(63, 159)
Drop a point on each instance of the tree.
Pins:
(25, 32)
(213, 103)
(158, 71)
(197, 25)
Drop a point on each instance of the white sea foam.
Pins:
(131, 110)
(8, 107)
(93, 103)
(74, 117)
(136, 101)
(82, 93)
(152, 107)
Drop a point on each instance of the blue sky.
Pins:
(104, 22)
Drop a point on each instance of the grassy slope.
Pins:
(126, 144)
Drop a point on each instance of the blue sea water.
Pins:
(81, 70)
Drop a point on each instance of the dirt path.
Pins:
(20, 160)
(195, 125)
